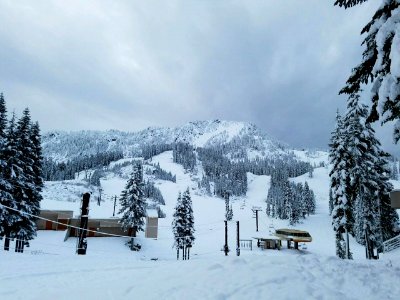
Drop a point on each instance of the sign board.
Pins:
(395, 199)
(256, 208)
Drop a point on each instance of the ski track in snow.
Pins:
(50, 270)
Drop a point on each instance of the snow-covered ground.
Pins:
(50, 269)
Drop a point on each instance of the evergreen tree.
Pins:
(178, 225)
(380, 65)
(188, 231)
(6, 197)
(342, 218)
(26, 183)
(132, 202)
(309, 199)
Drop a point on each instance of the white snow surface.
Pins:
(50, 269)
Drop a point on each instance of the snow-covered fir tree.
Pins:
(132, 202)
(189, 223)
(183, 225)
(380, 65)
(309, 199)
(5, 186)
(368, 188)
(178, 225)
(26, 177)
(342, 216)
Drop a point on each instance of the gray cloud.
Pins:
(133, 64)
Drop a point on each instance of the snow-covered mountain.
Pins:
(235, 136)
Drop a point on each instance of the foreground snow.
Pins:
(49, 269)
(283, 275)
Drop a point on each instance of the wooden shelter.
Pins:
(109, 226)
(269, 242)
(151, 224)
(60, 216)
(293, 235)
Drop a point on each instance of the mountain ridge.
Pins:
(235, 136)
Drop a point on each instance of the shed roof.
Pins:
(152, 213)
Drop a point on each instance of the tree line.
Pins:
(21, 178)
(55, 171)
(288, 200)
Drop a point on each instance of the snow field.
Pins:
(50, 269)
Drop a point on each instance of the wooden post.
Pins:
(115, 203)
(7, 242)
(82, 242)
(226, 249)
(255, 212)
(257, 220)
(237, 239)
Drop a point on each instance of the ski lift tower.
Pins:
(255, 210)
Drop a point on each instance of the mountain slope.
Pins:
(62, 146)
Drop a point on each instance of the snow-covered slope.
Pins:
(50, 269)
(66, 145)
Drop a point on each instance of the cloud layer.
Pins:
(132, 64)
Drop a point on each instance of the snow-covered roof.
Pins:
(152, 213)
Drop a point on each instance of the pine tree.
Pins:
(26, 192)
(380, 65)
(188, 232)
(178, 225)
(309, 199)
(5, 186)
(339, 176)
(132, 202)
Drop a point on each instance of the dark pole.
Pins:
(226, 250)
(237, 239)
(99, 199)
(82, 243)
(257, 220)
(115, 203)
(7, 242)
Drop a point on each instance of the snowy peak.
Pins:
(235, 136)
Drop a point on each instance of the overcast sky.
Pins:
(132, 64)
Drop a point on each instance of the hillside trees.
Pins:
(287, 200)
(54, 171)
(184, 154)
(20, 177)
